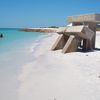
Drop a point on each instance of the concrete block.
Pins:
(71, 45)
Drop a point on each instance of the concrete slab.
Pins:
(84, 18)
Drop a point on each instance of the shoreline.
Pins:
(13, 56)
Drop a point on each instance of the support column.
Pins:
(92, 26)
(60, 42)
(71, 45)
(87, 44)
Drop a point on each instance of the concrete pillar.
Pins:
(92, 26)
(87, 44)
(60, 42)
(71, 45)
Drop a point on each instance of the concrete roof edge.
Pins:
(84, 14)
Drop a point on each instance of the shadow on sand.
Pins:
(97, 49)
(83, 51)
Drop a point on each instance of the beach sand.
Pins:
(53, 75)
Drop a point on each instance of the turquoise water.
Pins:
(14, 37)
(16, 50)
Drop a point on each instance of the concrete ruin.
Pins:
(81, 35)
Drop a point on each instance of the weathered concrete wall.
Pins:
(84, 18)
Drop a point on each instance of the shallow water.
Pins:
(16, 49)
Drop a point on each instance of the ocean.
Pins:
(16, 49)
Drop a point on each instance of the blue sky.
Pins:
(39, 13)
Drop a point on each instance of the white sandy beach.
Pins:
(56, 76)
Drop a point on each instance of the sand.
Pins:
(53, 75)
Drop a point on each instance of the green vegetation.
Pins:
(53, 27)
(98, 27)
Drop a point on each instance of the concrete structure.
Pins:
(89, 20)
(84, 18)
(81, 34)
